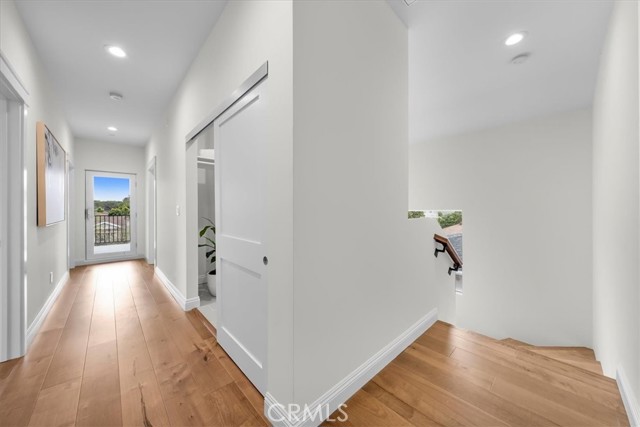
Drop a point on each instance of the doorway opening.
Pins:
(206, 226)
(229, 193)
(110, 215)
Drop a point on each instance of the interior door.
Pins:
(240, 210)
(110, 215)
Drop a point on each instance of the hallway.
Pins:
(117, 350)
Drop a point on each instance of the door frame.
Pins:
(70, 206)
(152, 216)
(13, 286)
(133, 218)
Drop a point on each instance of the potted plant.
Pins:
(207, 236)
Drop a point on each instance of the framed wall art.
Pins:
(51, 172)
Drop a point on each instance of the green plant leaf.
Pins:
(204, 230)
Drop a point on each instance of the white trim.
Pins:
(628, 397)
(341, 392)
(184, 303)
(152, 215)
(245, 87)
(14, 298)
(33, 329)
(81, 262)
(13, 79)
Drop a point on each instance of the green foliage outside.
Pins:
(450, 218)
(416, 214)
(113, 207)
(122, 210)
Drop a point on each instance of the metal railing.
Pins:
(112, 229)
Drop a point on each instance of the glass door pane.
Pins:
(110, 215)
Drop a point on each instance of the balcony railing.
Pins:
(112, 229)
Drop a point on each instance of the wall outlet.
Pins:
(177, 210)
(51, 277)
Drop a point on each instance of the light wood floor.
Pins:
(453, 377)
(117, 350)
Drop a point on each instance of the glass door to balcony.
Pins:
(110, 215)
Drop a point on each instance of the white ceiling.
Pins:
(161, 39)
(460, 75)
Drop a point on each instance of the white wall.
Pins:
(525, 193)
(616, 199)
(46, 247)
(246, 35)
(106, 157)
(363, 272)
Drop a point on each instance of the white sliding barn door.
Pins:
(240, 205)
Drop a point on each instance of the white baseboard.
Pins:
(628, 397)
(183, 302)
(33, 329)
(330, 401)
(81, 262)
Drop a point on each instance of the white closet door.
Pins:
(240, 175)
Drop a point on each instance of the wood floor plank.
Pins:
(248, 389)
(100, 395)
(142, 403)
(140, 396)
(369, 411)
(409, 413)
(68, 361)
(57, 405)
(439, 405)
(228, 406)
(201, 324)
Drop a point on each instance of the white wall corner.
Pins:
(281, 416)
(628, 397)
(183, 302)
(33, 329)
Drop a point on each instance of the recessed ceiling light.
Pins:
(112, 129)
(115, 96)
(116, 51)
(515, 38)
